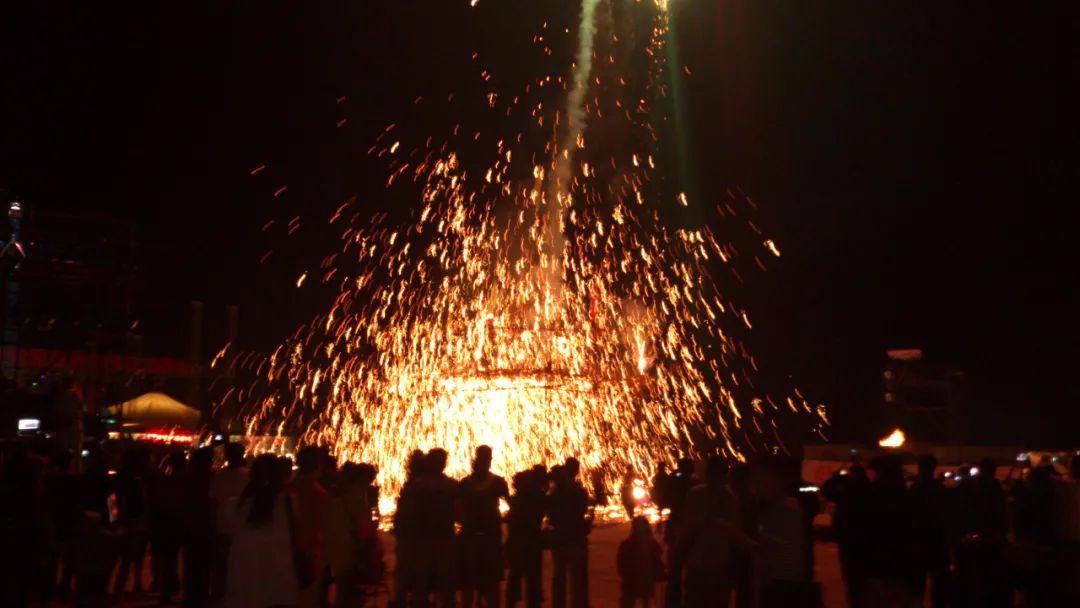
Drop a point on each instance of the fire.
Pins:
(895, 439)
(544, 311)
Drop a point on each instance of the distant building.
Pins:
(922, 397)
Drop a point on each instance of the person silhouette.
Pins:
(640, 565)
(436, 511)
(481, 531)
(524, 547)
(568, 515)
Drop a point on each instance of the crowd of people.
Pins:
(965, 538)
(222, 529)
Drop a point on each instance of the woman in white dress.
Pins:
(261, 571)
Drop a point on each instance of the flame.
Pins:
(895, 439)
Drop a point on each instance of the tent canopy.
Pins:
(155, 409)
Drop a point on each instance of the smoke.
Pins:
(558, 191)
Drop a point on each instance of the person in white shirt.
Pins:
(225, 488)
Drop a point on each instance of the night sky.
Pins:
(914, 161)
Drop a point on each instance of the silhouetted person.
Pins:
(435, 534)
(888, 530)
(24, 524)
(743, 566)
(849, 490)
(309, 500)
(599, 488)
(640, 565)
(524, 547)
(1067, 500)
(406, 532)
(981, 571)
(677, 490)
(350, 537)
(93, 554)
(568, 515)
(225, 488)
(68, 418)
(782, 538)
(659, 490)
(711, 533)
(262, 571)
(199, 529)
(63, 490)
(132, 500)
(481, 531)
(165, 520)
(626, 494)
(929, 540)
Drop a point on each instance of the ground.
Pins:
(604, 582)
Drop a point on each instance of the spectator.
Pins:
(406, 531)
(262, 570)
(68, 417)
(929, 544)
(309, 501)
(524, 547)
(165, 520)
(199, 530)
(781, 536)
(481, 531)
(93, 554)
(640, 565)
(677, 489)
(437, 505)
(568, 516)
(626, 494)
(350, 534)
(62, 489)
(848, 489)
(131, 517)
(225, 488)
(711, 533)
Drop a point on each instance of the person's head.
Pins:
(309, 459)
(436, 461)
(927, 466)
(60, 460)
(482, 462)
(234, 455)
(557, 475)
(716, 471)
(661, 467)
(640, 529)
(67, 383)
(888, 470)
(202, 461)
(366, 474)
(988, 469)
(265, 483)
(685, 467)
(416, 464)
(1074, 466)
(176, 462)
(766, 479)
(858, 472)
(571, 468)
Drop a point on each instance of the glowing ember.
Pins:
(544, 310)
(896, 439)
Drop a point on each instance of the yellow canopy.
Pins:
(155, 409)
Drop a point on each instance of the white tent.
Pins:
(155, 409)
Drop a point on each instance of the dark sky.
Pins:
(915, 162)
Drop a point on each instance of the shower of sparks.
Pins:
(450, 332)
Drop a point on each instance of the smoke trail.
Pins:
(558, 191)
